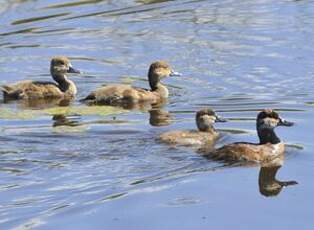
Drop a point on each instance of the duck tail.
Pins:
(6, 89)
(10, 92)
(90, 98)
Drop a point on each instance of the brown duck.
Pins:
(64, 88)
(205, 136)
(118, 94)
(269, 147)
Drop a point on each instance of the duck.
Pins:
(60, 66)
(119, 94)
(268, 149)
(204, 137)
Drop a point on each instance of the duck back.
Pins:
(188, 138)
(118, 93)
(31, 90)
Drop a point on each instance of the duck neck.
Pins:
(160, 89)
(267, 136)
(65, 85)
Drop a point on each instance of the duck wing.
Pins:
(243, 151)
(10, 92)
(187, 138)
(236, 152)
(118, 94)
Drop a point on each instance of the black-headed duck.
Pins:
(59, 67)
(269, 147)
(118, 94)
(205, 136)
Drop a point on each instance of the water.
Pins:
(105, 167)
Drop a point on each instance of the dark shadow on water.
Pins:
(72, 3)
(22, 31)
(153, 1)
(34, 19)
(146, 7)
(114, 12)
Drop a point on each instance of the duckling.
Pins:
(205, 136)
(59, 67)
(118, 94)
(269, 147)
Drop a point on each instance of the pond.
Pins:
(94, 167)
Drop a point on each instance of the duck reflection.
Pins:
(45, 103)
(159, 117)
(268, 184)
(63, 120)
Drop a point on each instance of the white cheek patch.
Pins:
(269, 123)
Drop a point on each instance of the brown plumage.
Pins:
(118, 94)
(59, 67)
(269, 148)
(248, 152)
(204, 137)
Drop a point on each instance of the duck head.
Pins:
(266, 121)
(159, 70)
(59, 67)
(206, 118)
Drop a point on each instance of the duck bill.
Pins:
(283, 122)
(220, 119)
(174, 74)
(72, 70)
